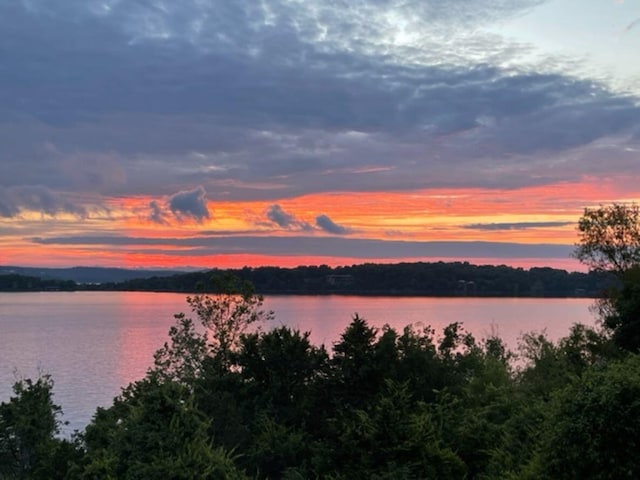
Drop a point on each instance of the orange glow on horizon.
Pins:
(534, 215)
(426, 215)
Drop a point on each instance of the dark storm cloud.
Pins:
(14, 200)
(515, 225)
(277, 215)
(190, 203)
(328, 246)
(273, 99)
(325, 223)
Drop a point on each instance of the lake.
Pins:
(94, 343)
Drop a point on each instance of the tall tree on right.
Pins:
(609, 241)
(609, 238)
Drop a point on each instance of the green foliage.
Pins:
(586, 346)
(547, 367)
(354, 376)
(543, 371)
(224, 316)
(609, 237)
(621, 311)
(28, 425)
(227, 314)
(478, 402)
(419, 364)
(394, 437)
(277, 447)
(153, 431)
(610, 241)
(593, 430)
(181, 359)
(279, 369)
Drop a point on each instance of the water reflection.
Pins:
(326, 317)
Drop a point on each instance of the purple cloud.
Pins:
(277, 215)
(325, 223)
(190, 203)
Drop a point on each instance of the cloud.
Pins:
(325, 223)
(269, 101)
(410, 94)
(157, 213)
(277, 215)
(515, 225)
(280, 217)
(190, 203)
(16, 200)
(327, 246)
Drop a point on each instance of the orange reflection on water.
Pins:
(143, 321)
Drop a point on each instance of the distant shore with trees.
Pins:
(444, 279)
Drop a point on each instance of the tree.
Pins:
(394, 437)
(609, 238)
(28, 426)
(229, 312)
(610, 241)
(593, 427)
(153, 431)
(279, 368)
(620, 311)
(354, 376)
(225, 315)
(182, 358)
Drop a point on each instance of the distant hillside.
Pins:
(87, 274)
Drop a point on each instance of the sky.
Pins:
(148, 133)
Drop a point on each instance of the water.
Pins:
(95, 343)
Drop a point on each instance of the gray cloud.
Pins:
(190, 203)
(268, 102)
(157, 213)
(15, 200)
(329, 246)
(325, 223)
(277, 215)
(515, 225)
(280, 217)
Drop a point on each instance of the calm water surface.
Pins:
(94, 343)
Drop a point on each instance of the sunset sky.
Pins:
(204, 133)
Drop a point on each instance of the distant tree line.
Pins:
(23, 283)
(429, 279)
(85, 275)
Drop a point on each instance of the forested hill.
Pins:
(429, 279)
